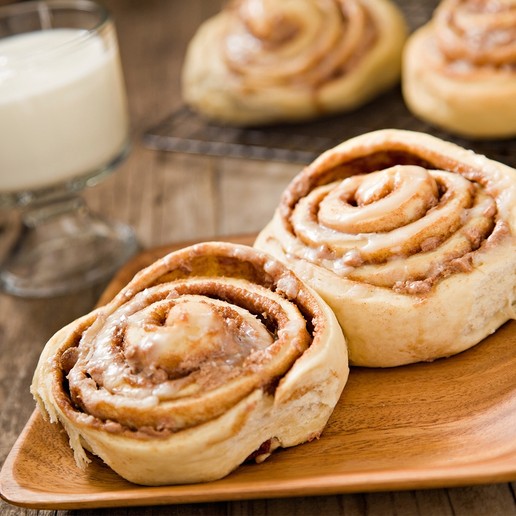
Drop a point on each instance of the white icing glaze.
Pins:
(288, 285)
(436, 216)
(158, 347)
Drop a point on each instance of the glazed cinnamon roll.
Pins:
(459, 70)
(265, 61)
(411, 240)
(211, 355)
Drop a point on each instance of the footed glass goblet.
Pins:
(63, 127)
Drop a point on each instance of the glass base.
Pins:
(63, 247)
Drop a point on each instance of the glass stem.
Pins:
(39, 213)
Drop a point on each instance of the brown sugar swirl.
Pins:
(395, 214)
(200, 334)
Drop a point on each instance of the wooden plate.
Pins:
(444, 424)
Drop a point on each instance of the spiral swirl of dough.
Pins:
(180, 353)
(459, 69)
(401, 227)
(297, 41)
(477, 33)
(205, 357)
(263, 61)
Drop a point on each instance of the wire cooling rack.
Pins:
(185, 131)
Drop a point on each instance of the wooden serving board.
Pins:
(442, 424)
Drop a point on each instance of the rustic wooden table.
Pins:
(168, 197)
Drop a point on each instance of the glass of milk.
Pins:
(63, 127)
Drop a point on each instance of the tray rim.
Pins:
(500, 468)
(492, 469)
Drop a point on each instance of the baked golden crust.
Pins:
(410, 239)
(202, 358)
(263, 61)
(459, 70)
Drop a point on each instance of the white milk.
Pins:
(62, 110)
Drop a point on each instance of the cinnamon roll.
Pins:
(411, 240)
(264, 61)
(211, 355)
(459, 70)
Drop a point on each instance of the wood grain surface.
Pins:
(170, 198)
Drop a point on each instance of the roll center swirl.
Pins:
(380, 201)
(192, 333)
(479, 33)
(304, 42)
